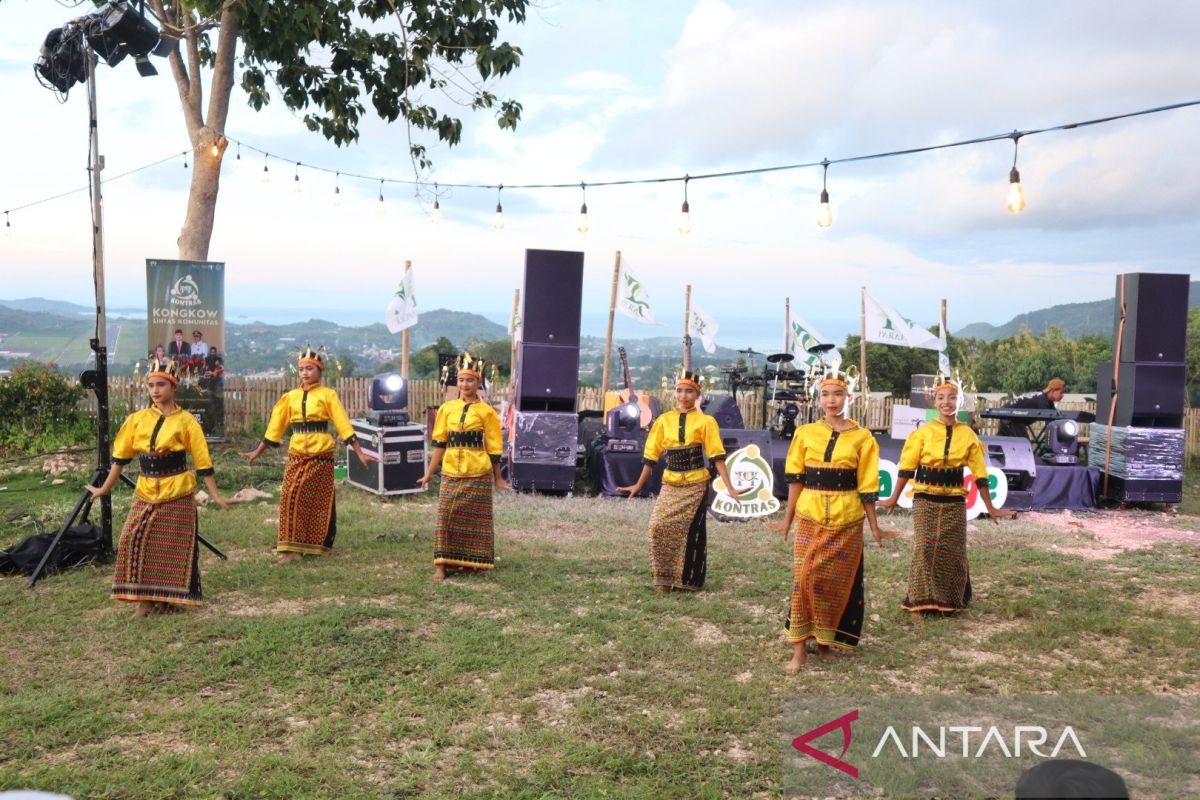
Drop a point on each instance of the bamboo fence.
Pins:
(248, 404)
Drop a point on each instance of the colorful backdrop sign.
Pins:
(997, 486)
(754, 481)
(185, 320)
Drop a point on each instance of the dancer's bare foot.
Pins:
(663, 589)
(439, 572)
(288, 558)
(144, 608)
(799, 656)
(825, 653)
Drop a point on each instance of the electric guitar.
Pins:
(628, 395)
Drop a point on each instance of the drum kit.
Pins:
(785, 391)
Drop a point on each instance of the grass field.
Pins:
(561, 674)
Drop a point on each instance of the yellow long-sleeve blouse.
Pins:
(819, 445)
(937, 445)
(674, 429)
(470, 434)
(150, 431)
(316, 405)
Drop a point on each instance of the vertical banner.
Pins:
(185, 320)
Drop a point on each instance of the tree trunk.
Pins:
(202, 196)
(206, 135)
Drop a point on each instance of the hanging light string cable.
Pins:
(824, 163)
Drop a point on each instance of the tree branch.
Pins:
(183, 81)
(222, 81)
(196, 89)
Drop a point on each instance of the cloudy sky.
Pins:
(621, 89)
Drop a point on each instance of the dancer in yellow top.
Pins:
(832, 471)
(678, 534)
(933, 458)
(467, 446)
(307, 512)
(158, 564)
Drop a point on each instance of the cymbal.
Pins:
(750, 351)
(817, 349)
(777, 358)
(733, 370)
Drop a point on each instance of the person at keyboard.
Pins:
(1045, 399)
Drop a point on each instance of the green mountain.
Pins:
(42, 304)
(1075, 319)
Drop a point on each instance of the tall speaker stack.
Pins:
(546, 431)
(1144, 396)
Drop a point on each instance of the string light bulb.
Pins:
(237, 162)
(584, 226)
(296, 180)
(185, 162)
(216, 148)
(337, 190)
(266, 176)
(824, 210)
(7, 225)
(498, 222)
(435, 215)
(381, 210)
(685, 211)
(1016, 195)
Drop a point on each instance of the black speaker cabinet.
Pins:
(1156, 308)
(553, 297)
(1149, 396)
(549, 378)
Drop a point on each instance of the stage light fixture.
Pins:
(388, 399)
(1062, 442)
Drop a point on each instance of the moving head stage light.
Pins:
(112, 32)
(388, 399)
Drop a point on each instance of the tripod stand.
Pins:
(96, 379)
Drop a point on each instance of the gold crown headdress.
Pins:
(687, 377)
(316, 357)
(955, 380)
(823, 374)
(467, 364)
(163, 368)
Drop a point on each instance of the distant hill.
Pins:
(1075, 319)
(42, 304)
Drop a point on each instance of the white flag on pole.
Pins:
(632, 300)
(886, 326)
(402, 311)
(805, 336)
(514, 326)
(704, 327)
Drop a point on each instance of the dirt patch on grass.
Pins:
(1109, 533)
(708, 633)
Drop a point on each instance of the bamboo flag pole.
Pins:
(512, 323)
(787, 324)
(862, 343)
(687, 336)
(945, 327)
(612, 310)
(403, 334)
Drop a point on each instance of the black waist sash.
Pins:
(945, 477)
(163, 465)
(310, 427)
(469, 439)
(830, 479)
(685, 459)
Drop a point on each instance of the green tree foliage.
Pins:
(39, 410)
(1192, 358)
(1019, 364)
(497, 352)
